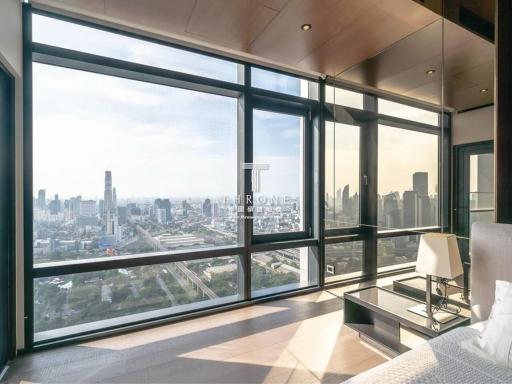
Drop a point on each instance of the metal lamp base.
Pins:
(440, 316)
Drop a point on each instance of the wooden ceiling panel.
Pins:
(370, 34)
(284, 41)
(274, 4)
(235, 23)
(165, 15)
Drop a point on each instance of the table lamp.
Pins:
(438, 255)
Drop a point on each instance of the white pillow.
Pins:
(495, 340)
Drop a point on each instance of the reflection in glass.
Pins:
(343, 97)
(59, 33)
(71, 300)
(407, 112)
(395, 251)
(341, 175)
(343, 259)
(481, 184)
(278, 142)
(124, 167)
(281, 270)
(278, 82)
(408, 178)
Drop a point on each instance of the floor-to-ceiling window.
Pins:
(164, 180)
(167, 180)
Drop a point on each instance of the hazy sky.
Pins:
(156, 140)
(401, 153)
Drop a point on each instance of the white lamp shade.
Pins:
(438, 255)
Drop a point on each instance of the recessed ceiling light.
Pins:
(484, 90)
(430, 71)
(306, 27)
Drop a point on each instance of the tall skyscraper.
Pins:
(207, 208)
(164, 204)
(41, 199)
(346, 204)
(411, 209)
(55, 206)
(420, 183)
(110, 218)
(114, 198)
(391, 210)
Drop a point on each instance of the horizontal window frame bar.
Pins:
(61, 57)
(347, 238)
(407, 232)
(100, 264)
(479, 210)
(336, 232)
(281, 102)
(396, 269)
(397, 122)
(285, 244)
(341, 114)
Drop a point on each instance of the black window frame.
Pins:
(316, 111)
(248, 97)
(369, 119)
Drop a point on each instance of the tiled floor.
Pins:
(295, 340)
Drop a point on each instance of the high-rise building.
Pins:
(164, 204)
(424, 211)
(346, 204)
(338, 203)
(420, 183)
(391, 210)
(410, 209)
(110, 218)
(41, 199)
(88, 208)
(207, 208)
(55, 206)
(114, 198)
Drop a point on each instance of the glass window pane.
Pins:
(408, 179)
(124, 167)
(339, 96)
(403, 111)
(77, 37)
(278, 143)
(281, 270)
(481, 184)
(278, 82)
(63, 303)
(343, 260)
(341, 175)
(397, 251)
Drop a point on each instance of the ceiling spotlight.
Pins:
(306, 27)
(484, 90)
(430, 71)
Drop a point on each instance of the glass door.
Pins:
(474, 190)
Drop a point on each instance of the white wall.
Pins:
(473, 126)
(11, 56)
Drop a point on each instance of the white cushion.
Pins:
(495, 340)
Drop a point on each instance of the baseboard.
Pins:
(4, 371)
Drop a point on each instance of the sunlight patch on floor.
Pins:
(135, 339)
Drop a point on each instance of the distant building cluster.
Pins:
(414, 209)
